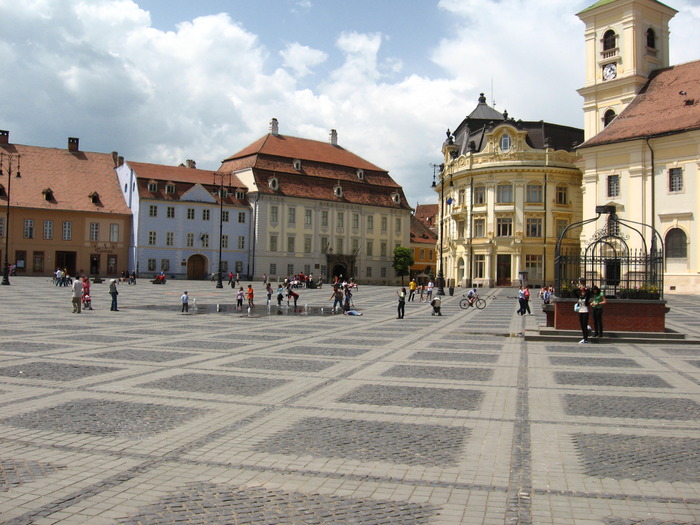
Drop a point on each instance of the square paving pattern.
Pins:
(14, 472)
(441, 372)
(639, 457)
(409, 396)
(431, 445)
(295, 365)
(609, 379)
(631, 407)
(106, 418)
(211, 503)
(216, 384)
(55, 371)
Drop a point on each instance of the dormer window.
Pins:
(361, 174)
(170, 187)
(297, 164)
(273, 183)
(152, 186)
(337, 190)
(396, 198)
(48, 194)
(94, 197)
(240, 195)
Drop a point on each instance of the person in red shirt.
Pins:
(250, 295)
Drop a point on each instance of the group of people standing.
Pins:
(435, 302)
(425, 290)
(589, 300)
(81, 298)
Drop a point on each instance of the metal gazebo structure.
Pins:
(624, 258)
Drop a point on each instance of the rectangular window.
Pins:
(48, 230)
(273, 243)
(151, 265)
(675, 180)
(370, 223)
(28, 228)
(273, 269)
(274, 214)
(504, 227)
(152, 237)
(153, 210)
(534, 194)
(324, 218)
(398, 225)
(383, 271)
(341, 219)
(170, 212)
(479, 266)
(94, 231)
(190, 213)
(224, 242)
(38, 262)
(292, 216)
(205, 215)
(189, 240)
(2, 226)
(479, 195)
(421, 254)
(241, 217)
(307, 244)
(290, 243)
(533, 227)
(307, 217)
(67, 231)
(430, 255)
(169, 238)
(385, 224)
(113, 233)
(382, 249)
(170, 188)
(224, 266)
(613, 185)
(112, 264)
(153, 186)
(290, 269)
(224, 216)
(355, 246)
(339, 245)
(324, 244)
(369, 271)
(165, 265)
(370, 247)
(479, 227)
(504, 193)
(205, 240)
(533, 265)
(561, 225)
(355, 220)
(307, 269)
(562, 195)
(239, 266)
(241, 242)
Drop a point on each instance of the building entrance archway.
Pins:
(197, 267)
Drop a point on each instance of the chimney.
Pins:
(73, 144)
(115, 159)
(333, 138)
(274, 127)
(191, 164)
(120, 161)
(4, 137)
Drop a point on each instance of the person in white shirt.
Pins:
(77, 295)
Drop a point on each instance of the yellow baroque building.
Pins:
(507, 190)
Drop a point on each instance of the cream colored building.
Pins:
(642, 126)
(510, 189)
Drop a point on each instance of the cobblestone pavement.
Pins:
(151, 416)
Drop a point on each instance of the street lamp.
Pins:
(441, 176)
(6, 162)
(219, 283)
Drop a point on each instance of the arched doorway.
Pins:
(340, 270)
(197, 267)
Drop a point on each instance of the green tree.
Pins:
(403, 260)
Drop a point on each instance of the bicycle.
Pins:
(466, 302)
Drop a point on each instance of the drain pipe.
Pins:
(653, 188)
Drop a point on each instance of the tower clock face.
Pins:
(609, 71)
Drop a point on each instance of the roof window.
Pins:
(170, 187)
(273, 183)
(94, 197)
(360, 174)
(152, 186)
(297, 164)
(396, 197)
(338, 190)
(48, 194)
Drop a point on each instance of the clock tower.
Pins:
(625, 41)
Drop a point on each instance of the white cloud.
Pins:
(301, 59)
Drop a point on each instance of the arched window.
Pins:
(676, 244)
(608, 117)
(651, 38)
(609, 40)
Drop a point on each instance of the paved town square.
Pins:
(151, 416)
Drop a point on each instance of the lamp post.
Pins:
(219, 283)
(6, 160)
(441, 177)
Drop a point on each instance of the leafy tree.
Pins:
(403, 260)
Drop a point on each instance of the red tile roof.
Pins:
(183, 178)
(427, 214)
(420, 233)
(71, 176)
(669, 103)
(323, 166)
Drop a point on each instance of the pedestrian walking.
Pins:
(185, 302)
(77, 295)
(402, 303)
(268, 291)
(280, 294)
(113, 292)
(251, 296)
(239, 299)
(337, 297)
(421, 291)
(597, 302)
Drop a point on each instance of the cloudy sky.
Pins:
(167, 80)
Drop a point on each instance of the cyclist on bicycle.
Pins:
(472, 296)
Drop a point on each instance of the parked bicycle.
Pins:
(475, 300)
